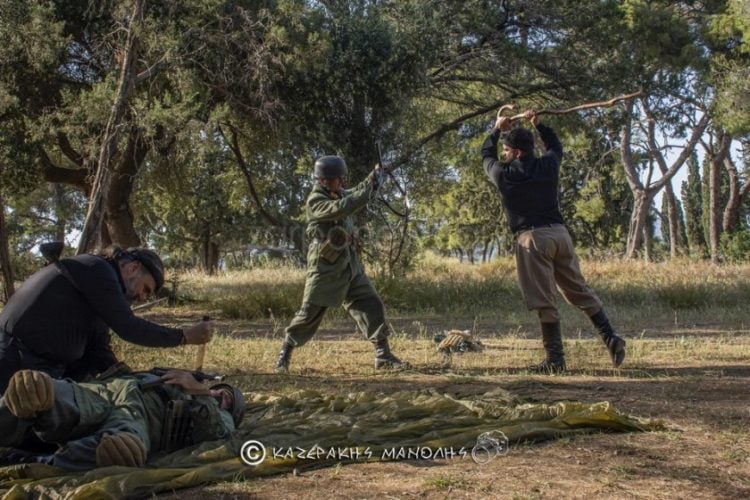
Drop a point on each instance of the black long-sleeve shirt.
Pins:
(529, 185)
(67, 326)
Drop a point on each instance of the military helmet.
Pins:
(238, 401)
(330, 167)
(151, 262)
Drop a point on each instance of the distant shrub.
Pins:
(735, 247)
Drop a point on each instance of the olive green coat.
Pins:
(328, 283)
(83, 412)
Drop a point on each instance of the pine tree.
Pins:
(692, 198)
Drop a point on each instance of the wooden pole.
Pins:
(200, 356)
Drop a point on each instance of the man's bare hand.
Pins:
(531, 116)
(502, 123)
(185, 381)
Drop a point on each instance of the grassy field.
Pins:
(688, 363)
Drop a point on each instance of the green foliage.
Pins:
(661, 32)
(735, 247)
(203, 172)
(590, 206)
(729, 33)
(289, 80)
(468, 215)
(593, 191)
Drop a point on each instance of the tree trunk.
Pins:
(209, 252)
(648, 243)
(61, 222)
(643, 193)
(119, 216)
(100, 188)
(214, 255)
(7, 270)
(676, 246)
(737, 195)
(716, 161)
(641, 204)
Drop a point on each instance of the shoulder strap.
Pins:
(64, 271)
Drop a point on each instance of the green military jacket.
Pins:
(121, 402)
(328, 282)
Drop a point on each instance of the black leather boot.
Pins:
(14, 456)
(285, 357)
(553, 346)
(615, 344)
(384, 358)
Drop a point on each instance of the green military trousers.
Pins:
(363, 304)
(80, 416)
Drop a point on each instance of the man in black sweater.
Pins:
(545, 255)
(58, 321)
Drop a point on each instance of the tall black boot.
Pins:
(553, 346)
(14, 456)
(285, 357)
(384, 358)
(615, 344)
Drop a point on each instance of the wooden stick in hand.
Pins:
(588, 105)
(200, 356)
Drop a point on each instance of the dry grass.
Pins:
(688, 352)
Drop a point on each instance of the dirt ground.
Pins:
(701, 393)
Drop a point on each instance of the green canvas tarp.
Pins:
(311, 429)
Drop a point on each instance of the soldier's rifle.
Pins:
(197, 375)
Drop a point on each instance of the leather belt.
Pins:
(535, 226)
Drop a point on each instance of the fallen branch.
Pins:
(148, 305)
(589, 105)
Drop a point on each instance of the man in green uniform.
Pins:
(115, 421)
(335, 275)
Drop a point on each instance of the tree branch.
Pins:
(67, 149)
(150, 71)
(52, 173)
(235, 147)
(631, 172)
(590, 105)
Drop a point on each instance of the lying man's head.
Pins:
(230, 399)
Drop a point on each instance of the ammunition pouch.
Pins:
(334, 245)
(189, 422)
(176, 432)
